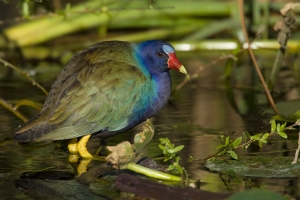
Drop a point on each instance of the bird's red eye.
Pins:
(160, 54)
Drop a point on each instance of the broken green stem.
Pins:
(150, 172)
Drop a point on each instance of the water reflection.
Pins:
(195, 117)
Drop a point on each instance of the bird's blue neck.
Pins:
(160, 90)
(163, 86)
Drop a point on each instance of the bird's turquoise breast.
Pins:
(155, 92)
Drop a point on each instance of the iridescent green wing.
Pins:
(103, 96)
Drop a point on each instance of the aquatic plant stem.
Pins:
(243, 25)
(13, 110)
(298, 148)
(150, 172)
(96, 13)
(5, 63)
(297, 151)
(284, 28)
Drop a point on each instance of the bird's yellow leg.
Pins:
(82, 167)
(81, 147)
(73, 158)
(72, 146)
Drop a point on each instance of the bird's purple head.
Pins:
(158, 56)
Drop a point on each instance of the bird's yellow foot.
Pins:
(81, 147)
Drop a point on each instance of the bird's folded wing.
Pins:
(104, 96)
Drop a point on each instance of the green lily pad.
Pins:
(257, 166)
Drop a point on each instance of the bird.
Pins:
(106, 89)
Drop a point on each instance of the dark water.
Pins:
(195, 117)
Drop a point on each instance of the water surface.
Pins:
(195, 117)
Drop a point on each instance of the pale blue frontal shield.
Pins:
(168, 49)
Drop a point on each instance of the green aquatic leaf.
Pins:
(233, 155)
(282, 134)
(220, 146)
(178, 148)
(246, 136)
(265, 136)
(263, 140)
(256, 137)
(282, 127)
(179, 168)
(278, 128)
(221, 137)
(227, 141)
(237, 142)
(273, 126)
(163, 140)
(171, 167)
(162, 147)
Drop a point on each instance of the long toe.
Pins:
(81, 147)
